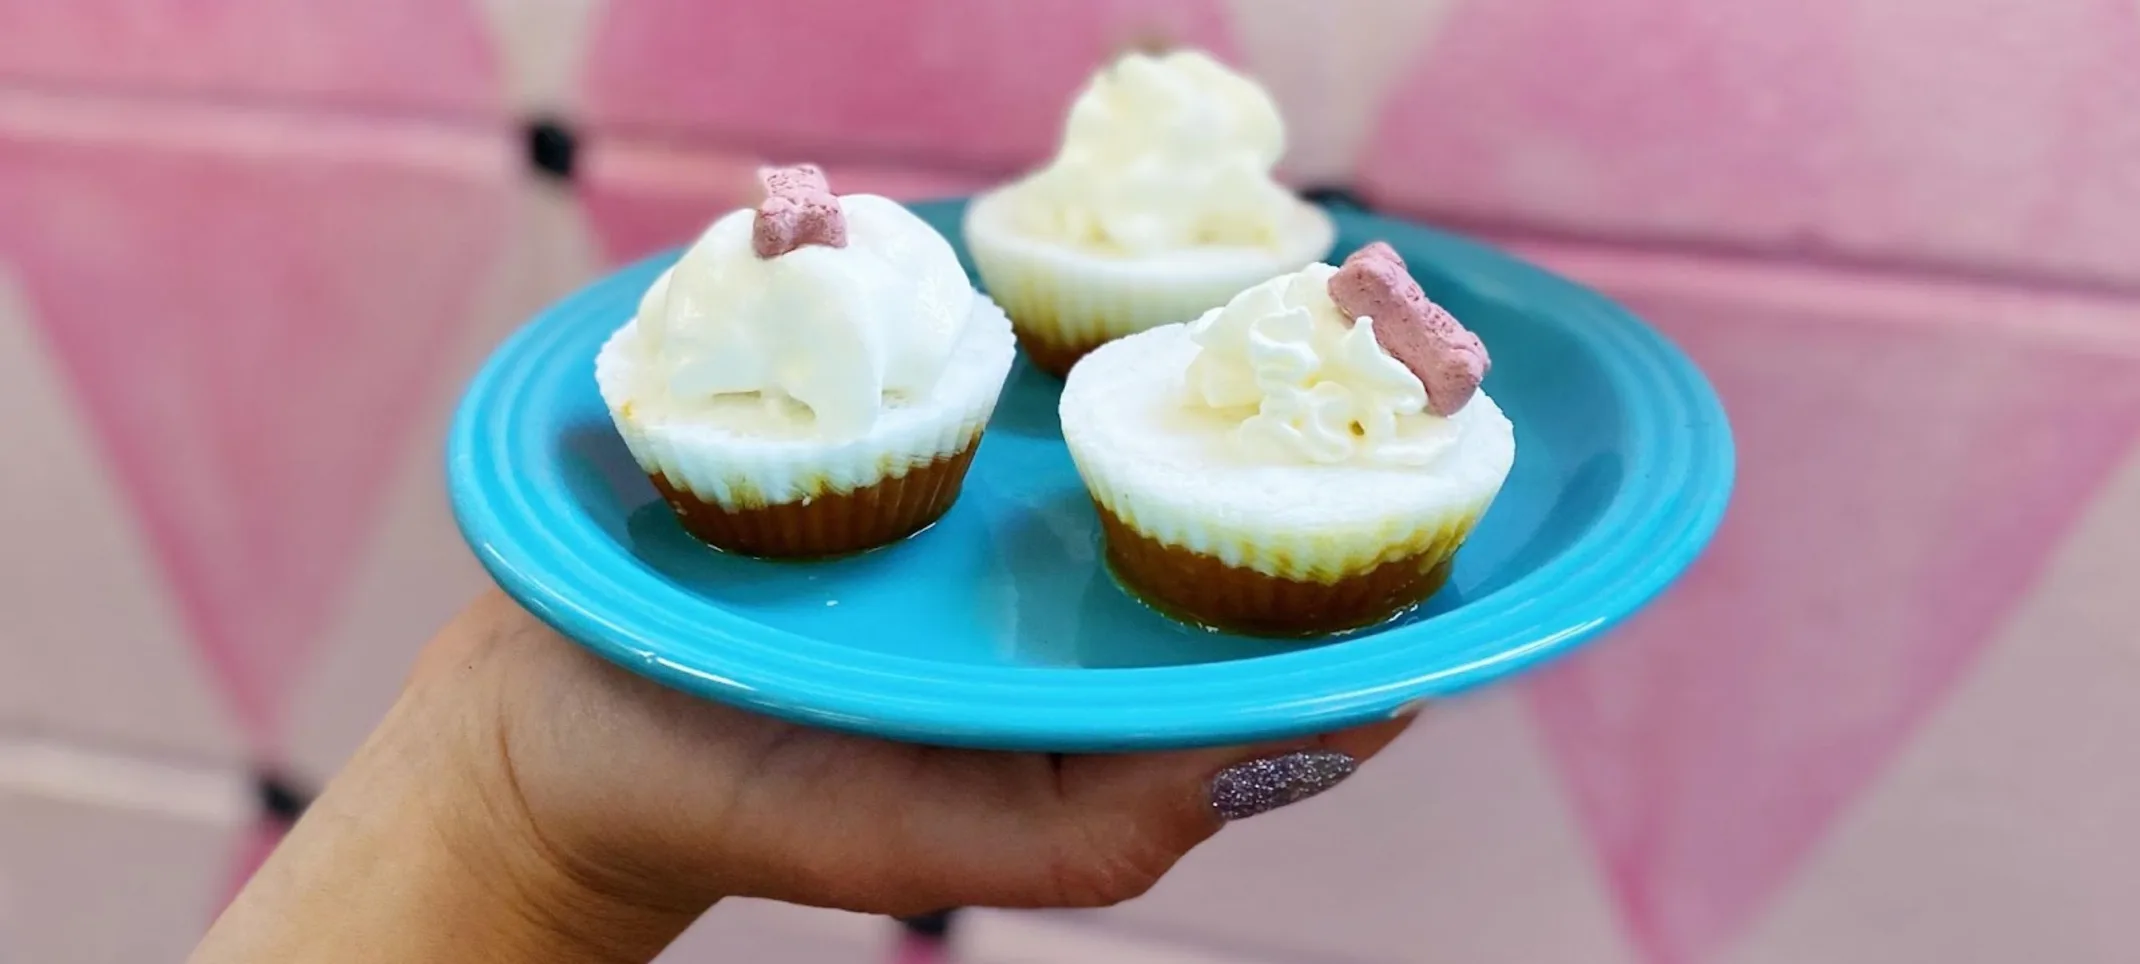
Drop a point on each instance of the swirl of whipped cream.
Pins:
(1312, 385)
(1162, 153)
(840, 331)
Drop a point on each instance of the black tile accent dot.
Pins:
(935, 926)
(279, 798)
(553, 148)
(1337, 196)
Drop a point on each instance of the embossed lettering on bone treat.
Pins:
(799, 209)
(1449, 360)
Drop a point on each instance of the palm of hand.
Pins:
(667, 799)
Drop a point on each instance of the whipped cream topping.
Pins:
(1162, 153)
(828, 336)
(1309, 383)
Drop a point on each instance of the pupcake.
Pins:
(1158, 206)
(811, 377)
(1305, 459)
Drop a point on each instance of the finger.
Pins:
(1026, 830)
(1124, 820)
(1179, 785)
(972, 828)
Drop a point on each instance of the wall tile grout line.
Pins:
(1516, 230)
(2088, 322)
(204, 127)
(221, 796)
(463, 137)
(101, 743)
(349, 108)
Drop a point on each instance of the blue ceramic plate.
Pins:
(1000, 627)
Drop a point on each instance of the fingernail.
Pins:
(1260, 786)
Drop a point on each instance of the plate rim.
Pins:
(1615, 569)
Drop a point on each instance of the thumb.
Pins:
(1120, 822)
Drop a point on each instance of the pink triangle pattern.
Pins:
(639, 200)
(400, 53)
(1976, 133)
(977, 82)
(1900, 487)
(253, 341)
(255, 843)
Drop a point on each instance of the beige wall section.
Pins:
(1327, 63)
(762, 932)
(1002, 937)
(417, 573)
(110, 860)
(1452, 846)
(539, 46)
(91, 644)
(2004, 832)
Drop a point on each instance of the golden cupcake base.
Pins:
(829, 523)
(1202, 589)
(1052, 355)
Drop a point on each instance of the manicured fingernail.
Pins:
(1261, 786)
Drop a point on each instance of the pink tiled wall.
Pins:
(1885, 720)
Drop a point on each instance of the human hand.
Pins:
(613, 811)
(670, 797)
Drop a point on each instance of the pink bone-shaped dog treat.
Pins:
(1449, 360)
(799, 209)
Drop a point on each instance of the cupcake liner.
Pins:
(1242, 541)
(828, 525)
(737, 474)
(1203, 589)
(1064, 301)
(1280, 580)
(1230, 571)
(1308, 554)
(800, 497)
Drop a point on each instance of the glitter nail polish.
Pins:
(1260, 786)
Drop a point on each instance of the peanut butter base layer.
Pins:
(829, 523)
(1202, 589)
(1052, 356)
